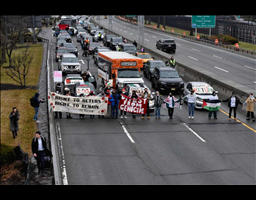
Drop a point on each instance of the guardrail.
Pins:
(195, 39)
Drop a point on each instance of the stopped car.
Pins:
(167, 79)
(115, 41)
(92, 46)
(140, 89)
(60, 52)
(106, 39)
(150, 66)
(145, 56)
(68, 63)
(71, 80)
(84, 88)
(128, 48)
(167, 45)
(202, 91)
(58, 44)
(71, 48)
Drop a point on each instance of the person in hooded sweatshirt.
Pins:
(35, 103)
(250, 107)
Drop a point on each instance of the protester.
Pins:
(108, 96)
(122, 112)
(114, 99)
(212, 105)
(38, 147)
(134, 96)
(91, 94)
(233, 102)
(158, 105)
(81, 115)
(14, 117)
(34, 102)
(191, 103)
(146, 95)
(101, 94)
(250, 107)
(170, 103)
(68, 114)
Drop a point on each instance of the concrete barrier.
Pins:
(194, 73)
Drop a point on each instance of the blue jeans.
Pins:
(35, 116)
(191, 107)
(158, 111)
(114, 110)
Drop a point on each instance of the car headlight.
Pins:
(78, 66)
(199, 99)
(163, 83)
(181, 83)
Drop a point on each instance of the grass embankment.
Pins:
(20, 98)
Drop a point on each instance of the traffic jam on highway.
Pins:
(125, 117)
(119, 68)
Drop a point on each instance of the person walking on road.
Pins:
(233, 102)
(158, 105)
(14, 117)
(191, 98)
(250, 107)
(38, 147)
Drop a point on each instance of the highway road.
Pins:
(157, 152)
(233, 66)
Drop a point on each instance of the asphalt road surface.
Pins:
(240, 68)
(157, 151)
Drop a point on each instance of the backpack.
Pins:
(32, 102)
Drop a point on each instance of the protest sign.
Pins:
(79, 105)
(138, 106)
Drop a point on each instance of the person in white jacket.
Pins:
(191, 98)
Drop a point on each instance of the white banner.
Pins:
(79, 105)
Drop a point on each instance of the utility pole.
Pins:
(141, 29)
(110, 19)
(33, 28)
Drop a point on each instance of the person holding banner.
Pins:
(170, 104)
(158, 105)
(68, 114)
(114, 99)
(146, 95)
(134, 96)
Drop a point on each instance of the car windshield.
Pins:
(117, 40)
(69, 45)
(169, 74)
(157, 64)
(168, 41)
(63, 51)
(70, 60)
(94, 44)
(130, 48)
(128, 73)
(144, 56)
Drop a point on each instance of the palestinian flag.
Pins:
(211, 105)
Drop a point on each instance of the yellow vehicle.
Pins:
(105, 16)
(145, 57)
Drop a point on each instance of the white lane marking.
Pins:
(193, 58)
(82, 61)
(254, 82)
(196, 50)
(153, 36)
(221, 69)
(131, 33)
(217, 57)
(147, 40)
(184, 124)
(178, 44)
(125, 31)
(127, 133)
(249, 67)
(146, 34)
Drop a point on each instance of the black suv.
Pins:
(128, 48)
(150, 66)
(166, 45)
(114, 41)
(167, 79)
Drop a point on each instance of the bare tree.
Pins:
(16, 26)
(20, 69)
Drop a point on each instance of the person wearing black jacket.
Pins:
(38, 147)
(34, 101)
(134, 96)
(233, 102)
(14, 117)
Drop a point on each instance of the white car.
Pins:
(202, 91)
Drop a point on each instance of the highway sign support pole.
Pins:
(141, 29)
